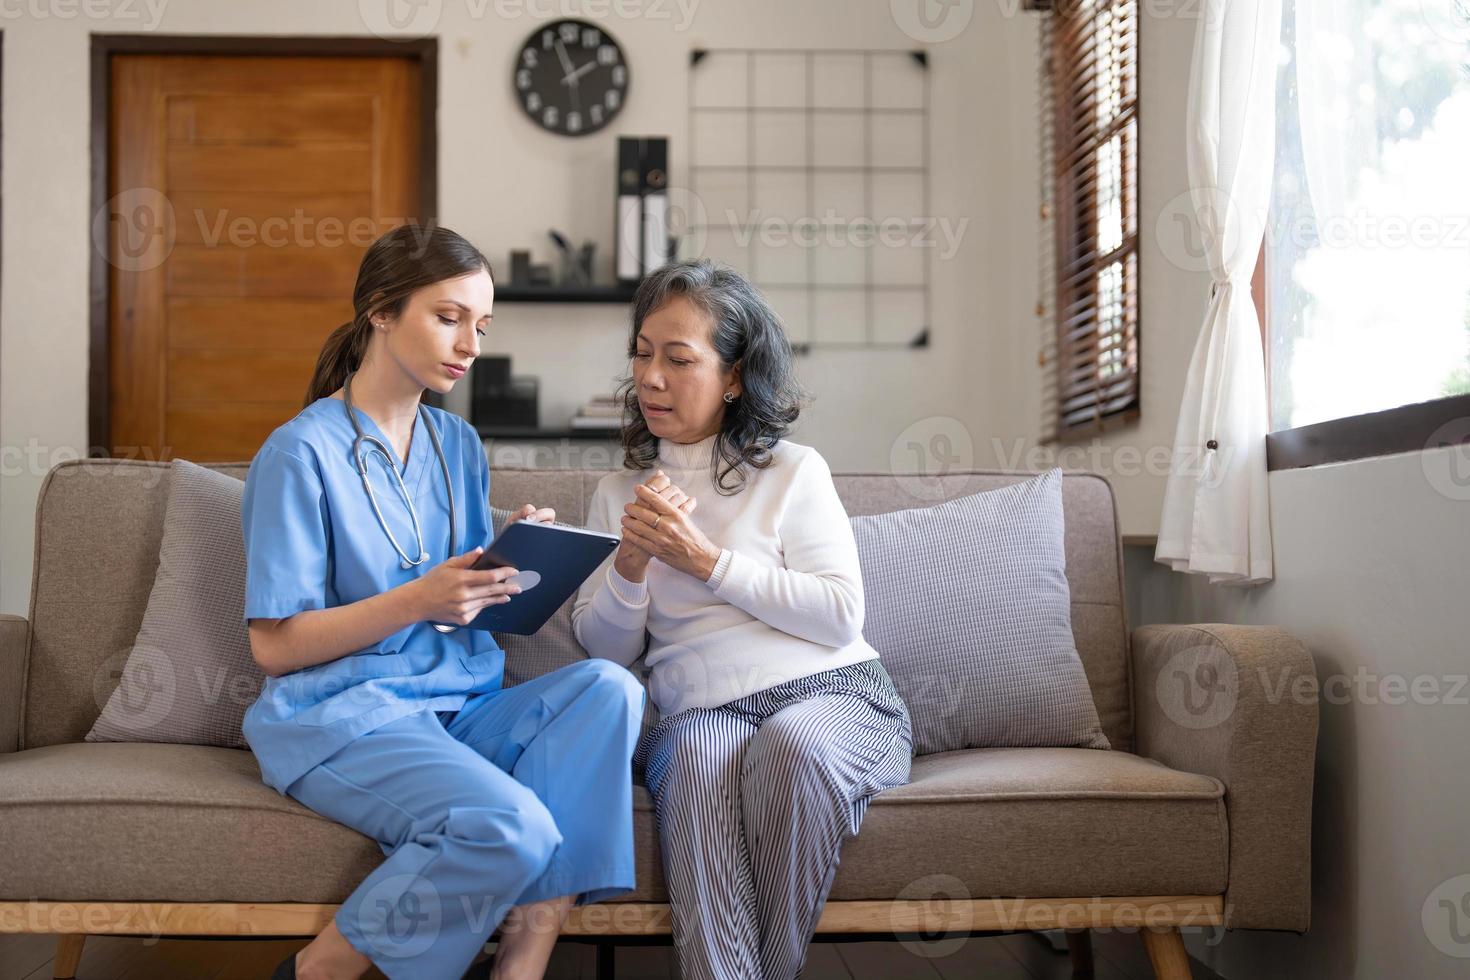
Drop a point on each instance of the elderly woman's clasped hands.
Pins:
(656, 524)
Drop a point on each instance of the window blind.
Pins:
(1088, 121)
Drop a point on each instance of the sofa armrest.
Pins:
(15, 633)
(1239, 703)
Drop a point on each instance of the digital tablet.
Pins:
(551, 561)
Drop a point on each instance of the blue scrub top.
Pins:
(312, 541)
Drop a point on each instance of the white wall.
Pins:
(502, 183)
(1370, 574)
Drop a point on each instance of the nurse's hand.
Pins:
(453, 592)
(529, 512)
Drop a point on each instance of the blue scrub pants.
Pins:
(524, 794)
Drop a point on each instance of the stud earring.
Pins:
(729, 397)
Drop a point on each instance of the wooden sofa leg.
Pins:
(1079, 948)
(1167, 954)
(68, 956)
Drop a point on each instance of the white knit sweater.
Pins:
(784, 601)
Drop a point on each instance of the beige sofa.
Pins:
(1183, 824)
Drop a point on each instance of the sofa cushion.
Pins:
(132, 821)
(122, 821)
(967, 603)
(189, 676)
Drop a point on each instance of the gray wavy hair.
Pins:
(745, 331)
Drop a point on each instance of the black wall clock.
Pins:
(570, 77)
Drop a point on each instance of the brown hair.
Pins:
(405, 259)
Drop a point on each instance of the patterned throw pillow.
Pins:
(189, 676)
(968, 604)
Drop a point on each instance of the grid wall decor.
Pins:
(809, 173)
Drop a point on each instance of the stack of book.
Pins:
(600, 412)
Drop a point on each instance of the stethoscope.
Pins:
(375, 445)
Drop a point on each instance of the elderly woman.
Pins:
(739, 568)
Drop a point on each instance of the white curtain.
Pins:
(1333, 64)
(1216, 519)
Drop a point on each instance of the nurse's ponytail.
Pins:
(341, 355)
(405, 259)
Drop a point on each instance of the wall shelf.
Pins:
(615, 293)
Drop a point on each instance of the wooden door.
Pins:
(243, 193)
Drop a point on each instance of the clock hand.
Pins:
(566, 63)
(572, 78)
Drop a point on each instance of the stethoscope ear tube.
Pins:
(363, 445)
(375, 446)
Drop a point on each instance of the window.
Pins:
(1089, 150)
(1368, 241)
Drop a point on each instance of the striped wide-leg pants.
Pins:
(754, 799)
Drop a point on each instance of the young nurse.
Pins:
(381, 710)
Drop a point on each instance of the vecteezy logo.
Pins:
(1449, 472)
(687, 221)
(1198, 687)
(145, 690)
(1446, 917)
(1191, 222)
(401, 916)
(932, 21)
(682, 677)
(135, 230)
(942, 900)
(927, 451)
(403, 20)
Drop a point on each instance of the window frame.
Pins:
(1403, 429)
(1066, 253)
(1415, 427)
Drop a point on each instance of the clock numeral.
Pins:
(547, 39)
(529, 58)
(607, 55)
(574, 122)
(613, 98)
(568, 33)
(533, 102)
(523, 79)
(596, 113)
(549, 117)
(619, 75)
(591, 37)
